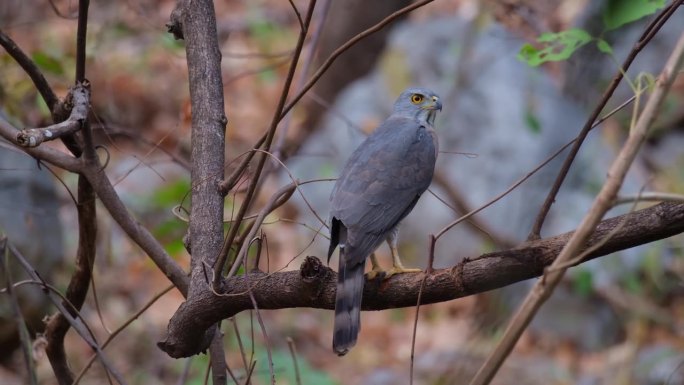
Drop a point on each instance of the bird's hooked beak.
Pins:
(432, 108)
(436, 104)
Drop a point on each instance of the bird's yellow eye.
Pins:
(416, 98)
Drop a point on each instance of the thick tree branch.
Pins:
(314, 284)
(47, 154)
(198, 27)
(208, 134)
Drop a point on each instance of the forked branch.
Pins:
(78, 101)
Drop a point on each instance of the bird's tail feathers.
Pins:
(350, 281)
(338, 236)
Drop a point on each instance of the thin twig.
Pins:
(226, 185)
(276, 200)
(243, 355)
(503, 194)
(121, 328)
(455, 196)
(266, 339)
(293, 354)
(544, 287)
(255, 71)
(279, 197)
(299, 15)
(308, 60)
(415, 327)
(649, 197)
(534, 171)
(206, 373)
(24, 335)
(76, 323)
(351, 42)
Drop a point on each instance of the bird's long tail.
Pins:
(347, 304)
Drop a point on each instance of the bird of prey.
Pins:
(378, 187)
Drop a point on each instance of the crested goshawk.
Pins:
(378, 187)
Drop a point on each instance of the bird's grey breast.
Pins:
(398, 158)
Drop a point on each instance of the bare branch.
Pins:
(649, 197)
(81, 39)
(79, 101)
(328, 62)
(24, 335)
(76, 322)
(293, 353)
(47, 154)
(121, 328)
(461, 206)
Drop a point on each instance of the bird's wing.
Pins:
(382, 181)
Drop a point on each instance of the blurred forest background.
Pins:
(615, 320)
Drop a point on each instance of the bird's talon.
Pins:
(375, 273)
(400, 270)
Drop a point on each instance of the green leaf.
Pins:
(603, 46)
(646, 81)
(633, 283)
(583, 282)
(555, 46)
(48, 63)
(42, 107)
(171, 194)
(532, 122)
(620, 12)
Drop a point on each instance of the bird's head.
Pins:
(418, 103)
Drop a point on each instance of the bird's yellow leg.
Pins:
(397, 266)
(376, 269)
